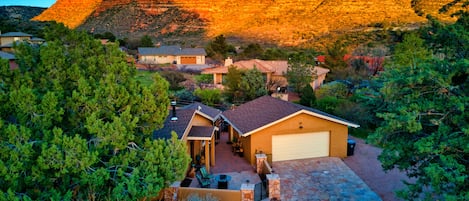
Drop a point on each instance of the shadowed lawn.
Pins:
(145, 77)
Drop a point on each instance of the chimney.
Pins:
(174, 117)
(228, 61)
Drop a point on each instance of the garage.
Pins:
(300, 146)
(188, 60)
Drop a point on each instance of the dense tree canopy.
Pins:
(300, 71)
(75, 124)
(244, 85)
(425, 127)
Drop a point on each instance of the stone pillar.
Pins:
(171, 193)
(247, 192)
(260, 158)
(274, 186)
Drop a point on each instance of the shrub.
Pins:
(333, 89)
(209, 96)
(204, 79)
(174, 78)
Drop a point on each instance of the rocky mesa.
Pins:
(284, 22)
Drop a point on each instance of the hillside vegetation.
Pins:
(283, 22)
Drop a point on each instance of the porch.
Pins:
(231, 164)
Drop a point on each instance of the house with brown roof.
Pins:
(197, 125)
(274, 71)
(286, 131)
(173, 54)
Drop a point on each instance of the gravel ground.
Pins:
(365, 164)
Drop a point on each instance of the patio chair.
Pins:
(204, 173)
(204, 183)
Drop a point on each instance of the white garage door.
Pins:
(299, 146)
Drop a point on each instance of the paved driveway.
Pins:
(365, 164)
(320, 179)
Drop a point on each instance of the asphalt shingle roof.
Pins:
(184, 115)
(209, 111)
(171, 50)
(179, 126)
(5, 55)
(265, 110)
(17, 34)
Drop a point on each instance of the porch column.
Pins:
(207, 155)
(212, 151)
(230, 134)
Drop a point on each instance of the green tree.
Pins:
(232, 83)
(146, 41)
(300, 71)
(174, 78)
(76, 125)
(209, 96)
(219, 48)
(425, 125)
(451, 41)
(252, 51)
(308, 98)
(253, 84)
(335, 61)
(204, 79)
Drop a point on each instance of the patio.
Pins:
(230, 164)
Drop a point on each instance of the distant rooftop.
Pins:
(5, 55)
(15, 34)
(171, 50)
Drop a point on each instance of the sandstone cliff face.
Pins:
(70, 12)
(285, 22)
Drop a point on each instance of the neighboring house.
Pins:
(197, 125)
(374, 63)
(171, 54)
(11, 59)
(274, 71)
(286, 131)
(8, 39)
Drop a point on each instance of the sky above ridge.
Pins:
(35, 3)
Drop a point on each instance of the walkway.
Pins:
(321, 179)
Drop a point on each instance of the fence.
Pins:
(260, 189)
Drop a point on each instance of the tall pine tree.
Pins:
(75, 124)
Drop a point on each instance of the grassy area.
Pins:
(145, 77)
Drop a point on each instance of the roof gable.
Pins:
(266, 110)
(185, 115)
(207, 110)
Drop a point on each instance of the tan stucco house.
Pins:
(8, 39)
(274, 71)
(286, 131)
(197, 125)
(171, 55)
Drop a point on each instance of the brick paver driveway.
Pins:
(320, 179)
